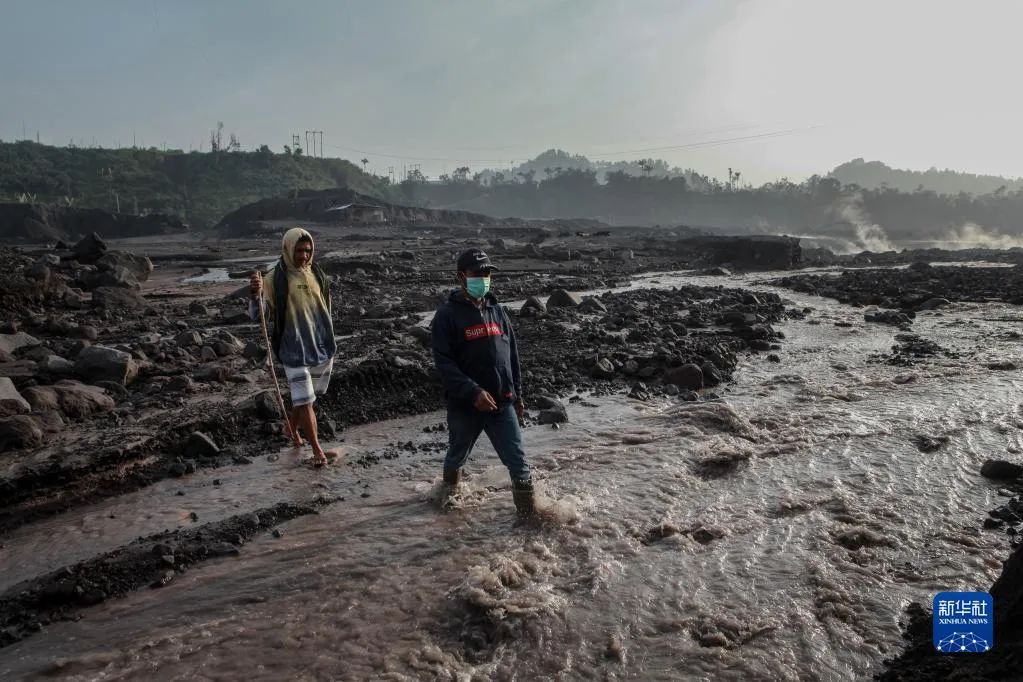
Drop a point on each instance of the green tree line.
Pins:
(200, 187)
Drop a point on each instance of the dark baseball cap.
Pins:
(475, 259)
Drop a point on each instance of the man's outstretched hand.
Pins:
(485, 402)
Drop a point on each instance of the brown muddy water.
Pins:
(774, 533)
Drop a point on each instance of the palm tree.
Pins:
(365, 162)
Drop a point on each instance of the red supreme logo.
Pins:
(479, 331)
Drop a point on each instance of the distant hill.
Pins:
(198, 187)
(875, 175)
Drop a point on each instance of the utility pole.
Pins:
(294, 142)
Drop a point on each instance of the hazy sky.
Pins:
(449, 83)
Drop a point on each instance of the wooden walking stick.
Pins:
(273, 373)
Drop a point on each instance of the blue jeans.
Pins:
(502, 427)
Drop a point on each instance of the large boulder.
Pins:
(90, 249)
(188, 339)
(54, 364)
(140, 267)
(11, 401)
(115, 277)
(80, 400)
(688, 376)
(263, 404)
(711, 374)
(1001, 470)
(99, 363)
(42, 398)
(19, 432)
(592, 304)
(116, 298)
(72, 398)
(12, 342)
(200, 445)
(534, 303)
(563, 299)
(225, 343)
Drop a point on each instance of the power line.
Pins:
(692, 145)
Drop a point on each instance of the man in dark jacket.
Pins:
(474, 348)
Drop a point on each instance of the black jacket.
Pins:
(474, 349)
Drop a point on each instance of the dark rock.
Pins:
(553, 416)
(534, 303)
(563, 299)
(688, 376)
(773, 358)
(139, 267)
(933, 304)
(1003, 365)
(39, 273)
(603, 369)
(19, 432)
(639, 391)
(253, 351)
(114, 298)
(87, 332)
(592, 304)
(199, 445)
(11, 401)
(77, 400)
(1001, 470)
(99, 363)
(90, 249)
(738, 318)
(648, 372)
(116, 278)
(380, 310)
(893, 317)
(11, 342)
(181, 384)
(189, 339)
(925, 443)
(54, 364)
(711, 374)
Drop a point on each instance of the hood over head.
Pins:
(291, 238)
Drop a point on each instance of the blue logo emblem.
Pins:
(964, 622)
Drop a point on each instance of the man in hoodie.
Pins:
(297, 298)
(474, 349)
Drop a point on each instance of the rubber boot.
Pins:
(525, 501)
(452, 476)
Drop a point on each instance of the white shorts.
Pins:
(308, 382)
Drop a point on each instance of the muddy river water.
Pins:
(776, 531)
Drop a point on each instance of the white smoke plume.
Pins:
(974, 236)
(869, 235)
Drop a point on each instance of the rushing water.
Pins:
(775, 533)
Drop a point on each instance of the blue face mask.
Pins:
(477, 287)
